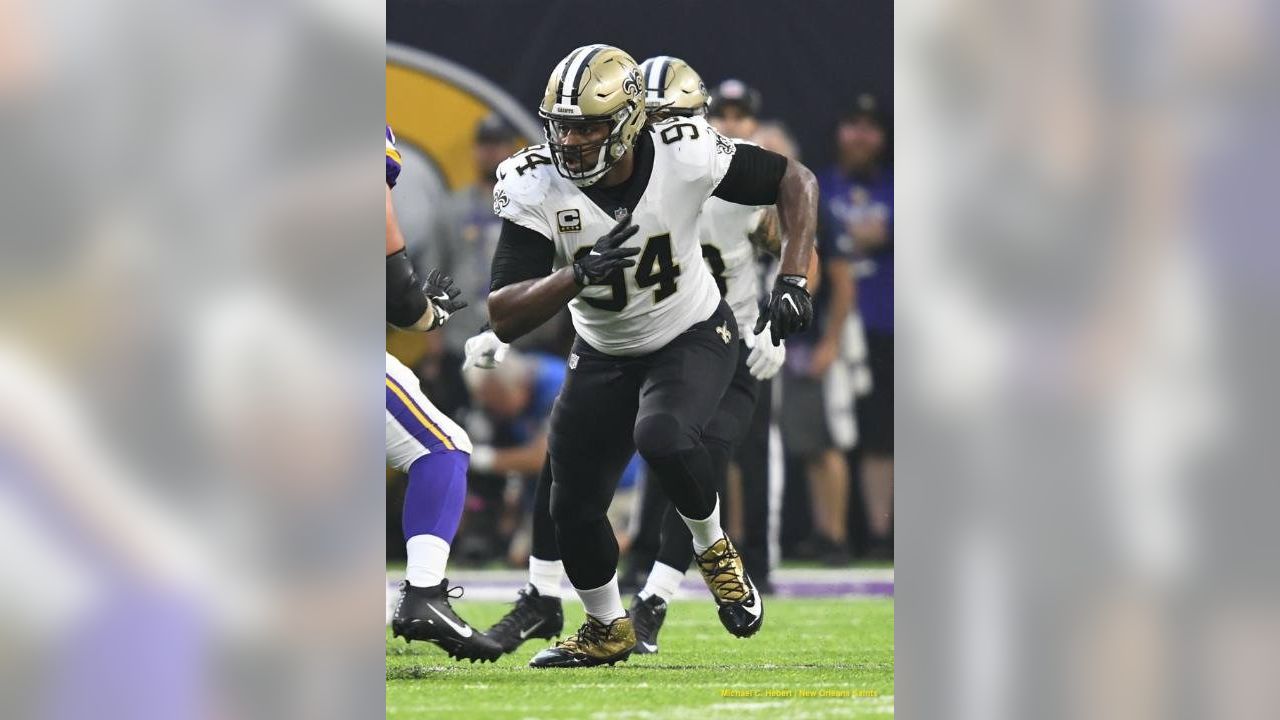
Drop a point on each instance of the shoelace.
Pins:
(723, 575)
(404, 588)
(448, 594)
(589, 633)
(518, 615)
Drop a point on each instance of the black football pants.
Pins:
(610, 407)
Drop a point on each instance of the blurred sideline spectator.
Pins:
(508, 426)
(735, 109)
(858, 191)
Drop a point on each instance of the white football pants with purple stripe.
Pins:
(414, 426)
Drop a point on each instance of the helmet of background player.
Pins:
(592, 87)
(672, 88)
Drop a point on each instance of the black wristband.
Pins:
(799, 281)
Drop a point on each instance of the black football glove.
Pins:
(605, 257)
(790, 310)
(439, 289)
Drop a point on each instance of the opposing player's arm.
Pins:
(413, 304)
(407, 305)
(395, 239)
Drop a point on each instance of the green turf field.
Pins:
(843, 648)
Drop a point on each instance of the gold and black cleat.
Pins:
(424, 613)
(741, 607)
(594, 644)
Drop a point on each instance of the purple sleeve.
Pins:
(393, 159)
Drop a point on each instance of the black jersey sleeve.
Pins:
(522, 254)
(752, 177)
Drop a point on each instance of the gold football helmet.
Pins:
(591, 86)
(672, 88)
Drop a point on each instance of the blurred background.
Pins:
(814, 490)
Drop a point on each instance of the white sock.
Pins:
(705, 531)
(663, 581)
(605, 602)
(428, 555)
(545, 576)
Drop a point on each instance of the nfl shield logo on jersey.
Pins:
(573, 361)
(619, 213)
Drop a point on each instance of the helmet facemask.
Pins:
(610, 149)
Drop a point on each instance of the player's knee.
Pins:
(717, 444)
(569, 509)
(661, 434)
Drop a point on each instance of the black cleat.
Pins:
(425, 614)
(741, 607)
(647, 616)
(533, 616)
(594, 644)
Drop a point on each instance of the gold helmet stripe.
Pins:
(574, 68)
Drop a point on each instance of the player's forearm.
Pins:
(798, 214)
(518, 308)
(525, 460)
(841, 298)
(408, 307)
(395, 239)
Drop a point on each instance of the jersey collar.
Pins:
(629, 192)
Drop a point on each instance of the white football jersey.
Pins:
(724, 231)
(670, 288)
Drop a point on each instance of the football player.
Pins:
(731, 236)
(432, 450)
(603, 218)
